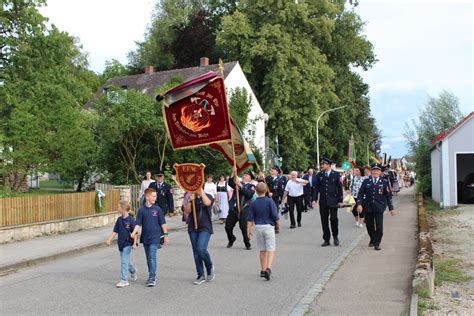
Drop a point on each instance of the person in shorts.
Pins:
(264, 217)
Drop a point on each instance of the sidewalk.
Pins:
(376, 282)
(31, 252)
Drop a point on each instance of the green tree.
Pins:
(298, 57)
(45, 82)
(438, 116)
(240, 104)
(113, 68)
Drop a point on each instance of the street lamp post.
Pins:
(317, 129)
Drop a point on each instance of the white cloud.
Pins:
(386, 146)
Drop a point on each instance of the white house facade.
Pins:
(452, 164)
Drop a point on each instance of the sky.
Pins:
(423, 47)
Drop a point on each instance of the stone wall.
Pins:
(24, 232)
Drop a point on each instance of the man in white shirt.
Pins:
(294, 190)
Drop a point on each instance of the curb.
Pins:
(413, 305)
(14, 267)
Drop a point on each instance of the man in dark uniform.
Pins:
(308, 188)
(276, 185)
(246, 193)
(374, 196)
(164, 193)
(329, 188)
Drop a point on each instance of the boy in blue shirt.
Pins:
(264, 216)
(124, 226)
(152, 222)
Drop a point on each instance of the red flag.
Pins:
(196, 112)
(243, 154)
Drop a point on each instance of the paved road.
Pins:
(85, 283)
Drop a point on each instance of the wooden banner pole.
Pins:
(194, 214)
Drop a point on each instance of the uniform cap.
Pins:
(326, 160)
(159, 173)
(250, 173)
(277, 168)
(376, 166)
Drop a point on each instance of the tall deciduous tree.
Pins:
(297, 56)
(45, 83)
(439, 115)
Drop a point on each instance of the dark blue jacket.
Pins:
(374, 198)
(164, 196)
(246, 193)
(276, 187)
(329, 189)
(309, 187)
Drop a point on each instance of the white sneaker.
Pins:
(361, 225)
(211, 276)
(200, 280)
(122, 283)
(357, 224)
(133, 276)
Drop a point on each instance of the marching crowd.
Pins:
(255, 202)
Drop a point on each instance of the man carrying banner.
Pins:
(239, 207)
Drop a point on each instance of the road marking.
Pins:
(303, 306)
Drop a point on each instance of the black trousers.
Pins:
(298, 201)
(230, 222)
(307, 201)
(374, 224)
(329, 213)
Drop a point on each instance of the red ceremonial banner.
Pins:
(196, 112)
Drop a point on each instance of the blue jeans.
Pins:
(150, 252)
(125, 264)
(200, 241)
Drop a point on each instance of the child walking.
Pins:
(124, 226)
(151, 220)
(264, 216)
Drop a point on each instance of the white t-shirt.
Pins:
(294, 188)
(210, 188)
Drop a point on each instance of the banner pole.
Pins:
(194, 214)
(163, 155)
(221, 70)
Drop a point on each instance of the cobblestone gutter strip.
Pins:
(303, 306)
(424, 275)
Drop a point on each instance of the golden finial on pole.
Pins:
(221, 67)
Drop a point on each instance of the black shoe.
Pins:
(231, 242)
(299, 224)
(292, 226)
(377, 248)
(325, 244)
(267, 274)
(371, 244)
(262, 274)
(248, 247)
(336, 242)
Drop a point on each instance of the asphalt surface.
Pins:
(85, 284)
(380, 281)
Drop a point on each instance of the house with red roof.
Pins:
(452, 164)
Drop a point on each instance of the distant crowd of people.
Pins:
(256, 203)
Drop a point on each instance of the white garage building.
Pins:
(452, 162)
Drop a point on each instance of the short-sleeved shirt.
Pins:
(294, 188)
(124, 228)
(204, 216)
(210, 188)
(263, 211)
(150, 219)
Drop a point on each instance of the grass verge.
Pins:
(449, 270)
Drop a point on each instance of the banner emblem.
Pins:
(190, 176)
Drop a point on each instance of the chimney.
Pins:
(149, 70)
(203, 61)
